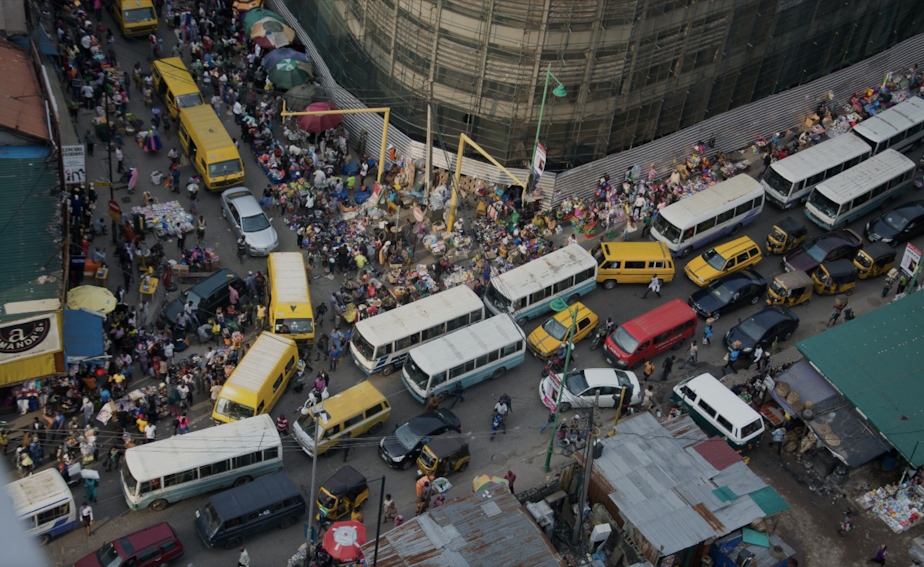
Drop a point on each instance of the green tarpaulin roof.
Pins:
(876, 363)
(29, 234)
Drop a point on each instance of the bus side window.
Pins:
(707, 409)
(725, 424)
(438, 379)
(687, 393)
(277, 383)
(687, 234)
(374, 410)
(635, 265)
(271, 453)
(482, 360)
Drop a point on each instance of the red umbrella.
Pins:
(343, 540)
(319, 123)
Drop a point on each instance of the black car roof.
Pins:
(344, 481)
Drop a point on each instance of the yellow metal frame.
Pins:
(463, 140)
(384, 111)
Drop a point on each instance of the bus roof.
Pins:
(254, 368)
(346, 401)
(733, 408)
(666, 316)
(254, 496)
(466, 344)
(419, 315)
(542, 272)
(37, 492)
(891, 121)
(290, 282)
(739, 187)
(174, 68)
(202, 447)
(212, 133)
(864, 176)
(818, 158)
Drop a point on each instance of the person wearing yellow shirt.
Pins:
(261, 316)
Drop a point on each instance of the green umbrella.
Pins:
(289, 72)
(254, 16)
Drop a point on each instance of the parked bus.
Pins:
(175, 85)
(713, 212)
(257, 383)
(790, 180)
(45, 503)
(210, 148)
(468, 356)
(528, 291)
(182, 466)
(898, 128)
(290, 312)
(850, 195)
(381, 343)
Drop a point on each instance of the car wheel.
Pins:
(406, 463)
(564, 406)
(375, 428)
(159, 505)
(241, 481)
(735, 229)
(573, 299)
(715, 316)
(463, 467)
(787, 335)
(684, 253)
(755, 299)
(388, 370)
(287, 523)
(233, 542)
(498, 373)
(609, 284)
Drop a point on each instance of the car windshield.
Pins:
(295, 326)
(714, 259)
(751, 328)
(227, 167)
(407, 436)
(139, 15)
(721, 291)
(255, 223)
(779, 288)
(895, 220)
(232, 410)
(188, 100)
(211, 518)
(576, 382)
(108, 556)
(816, 251)
(624, 340)
(555, 329)
(668, 231)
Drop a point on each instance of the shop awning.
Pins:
(83, 335)
(838, 425)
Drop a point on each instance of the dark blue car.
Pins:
(746, 287)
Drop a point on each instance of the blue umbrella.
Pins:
(277, 55)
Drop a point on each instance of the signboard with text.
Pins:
(75, 164)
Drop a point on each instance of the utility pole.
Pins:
(428, 173)
(115, 226)
(588, 466)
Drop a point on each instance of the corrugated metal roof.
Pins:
(32, 269)
(860, 359)
(22, 104)
(717, 452)
(487, 528)
(666, 490)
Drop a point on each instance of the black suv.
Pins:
(207, 296)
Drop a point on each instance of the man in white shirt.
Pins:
(238, 111)
(150, 433)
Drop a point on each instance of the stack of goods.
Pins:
(164, 217)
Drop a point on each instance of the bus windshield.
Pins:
(364, 347)
(138, 15)
(777, 182)
(825, 205)
(624, 340)
(415, 374)
(188, 100)
(212, 520)
(227, 167)
(296, 326)
(131, 484)
(497, 299)
(668, 231)
(233, 410)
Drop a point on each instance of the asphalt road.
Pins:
(522, 449)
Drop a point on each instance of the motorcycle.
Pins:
(496, 423)
(598, 340)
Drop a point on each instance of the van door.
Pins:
(662, 342)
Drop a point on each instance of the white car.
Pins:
(243, 212)
(581, 387)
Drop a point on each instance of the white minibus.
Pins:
(900, 127)
(719, 411)
(528, 291)
(381, 343)
(713, 212)
(468, 356)
(169, 470)
(791, 179)
(850, 195)
(44, 501)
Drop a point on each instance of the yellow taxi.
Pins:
(722, 260)
(547, 337)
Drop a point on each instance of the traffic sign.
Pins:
(75, 164)
(115, 211)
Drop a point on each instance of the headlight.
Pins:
(749, 349)
(700, 280)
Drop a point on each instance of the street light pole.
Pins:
(558, 91)
(313, 495)
(115, 226)
(559, 305)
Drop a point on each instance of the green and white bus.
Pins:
(159, 473)
(468, 356)
(850, 195)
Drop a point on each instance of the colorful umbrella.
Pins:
(277, 55)
(484, 481)
(302, 95)
(344, 539)
(270, 34)
(290, 72)
(91, 298)
(254, 16)
(319, 123)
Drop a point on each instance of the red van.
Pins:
(150, 547)
(648, 335)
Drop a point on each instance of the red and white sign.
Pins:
(539, 161)
(911, 259)
(115, 211)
